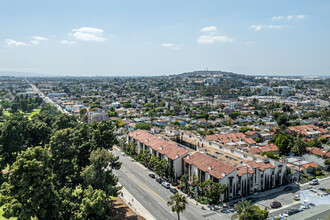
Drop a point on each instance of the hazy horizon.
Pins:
(134, 38)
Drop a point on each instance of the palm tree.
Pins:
(244, 210)
(177, 203)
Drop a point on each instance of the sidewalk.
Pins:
(134, 204)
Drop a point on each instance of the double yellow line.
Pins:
(146, 189)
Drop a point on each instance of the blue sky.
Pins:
(140, 37)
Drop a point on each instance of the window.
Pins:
(245, 156)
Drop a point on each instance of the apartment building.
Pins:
(157, 146)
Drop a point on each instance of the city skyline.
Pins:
(147, 38)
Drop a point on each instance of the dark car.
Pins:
(152, 175)
(275, 204)
(288, 188)
(322, 189)
(293, 211)
(159, 180)
(173, 190)
(219, 153)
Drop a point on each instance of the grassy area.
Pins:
(29, 115)
(35, 112)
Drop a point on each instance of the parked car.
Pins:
(283, 215)
(224, 211)
(303, 207)
(288, 188)
(296, 197)
(173, 190)
(231, 210)
(275, 204)
(293, 211)
(166, 185)
(314, 182)
(152, 175)
(219, 153)
(322, 189)
(159, 180)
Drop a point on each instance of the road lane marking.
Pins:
(138, 184)
(155, 193)
(148, 190)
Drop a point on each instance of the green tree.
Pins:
(143, 126)
(14, 138)
(247, 211)
(99, 174)
(102, 135)
(282, 142)
(29, 190)
(282, 120)
(177, 203)
(64, 157)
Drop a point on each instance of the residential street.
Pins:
(153, 196)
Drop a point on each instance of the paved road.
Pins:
(286, 198)
(153, 196)
(47, 99)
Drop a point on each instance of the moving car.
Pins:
(173, 190)
(152, 175)
(166, 185)
(275, 204)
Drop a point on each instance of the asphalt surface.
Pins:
(286, 198)
(153, 196)
(47, 99)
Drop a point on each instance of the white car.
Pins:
(314, 182)
(166, 185)
(283, 215)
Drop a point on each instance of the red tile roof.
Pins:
(214, 167)
(172, 151)
(250, 133)
(261, 165)
(311, 164)
(231, 137)
(243, 170)
(318, 151)
(304, 129)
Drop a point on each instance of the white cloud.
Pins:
(35, 42)
(210, 39)
(171, 46)
(38, 38)
(209, 29)
(260, 27)
(14, 43)
(300, 17)
(277, 18)
(67, 42)
(89, 30)
(88, 34)
(289, 17)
